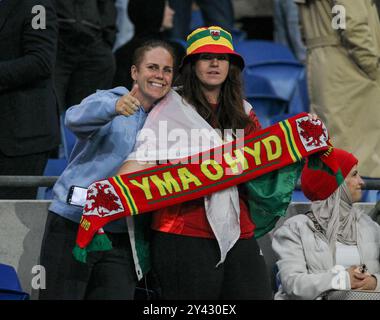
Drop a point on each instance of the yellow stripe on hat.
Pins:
(209, 41)
(196, 31)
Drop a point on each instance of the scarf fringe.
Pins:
(80, 254)
(100, 242)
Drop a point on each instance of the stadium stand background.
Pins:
(21, 229)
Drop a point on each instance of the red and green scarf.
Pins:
(266, 151)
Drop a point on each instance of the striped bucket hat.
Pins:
(211, 40)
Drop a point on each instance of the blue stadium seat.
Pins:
(266, 103)
(298, 196)
(303, 92)
(370, 196)
(257, 52)
(282, 76)
(266, 107)
(288, 82)
(280, 117)
(10, 288)
(254, 84)
(299, 101)
(276, 63)
(54, 167)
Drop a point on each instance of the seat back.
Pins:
(255, 84)
(266, 103)
(10, 288)
(370, 196)
(54, 167)
(283, 77)
(288, 82)
(257, 52)
(266, 107)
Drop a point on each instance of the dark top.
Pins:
(147, 18)
(85, 21)
(28, 106)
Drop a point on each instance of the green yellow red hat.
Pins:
(211, 40)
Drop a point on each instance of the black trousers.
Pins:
(185, 269)
(81, 69)
(27, 165)
(106, 275)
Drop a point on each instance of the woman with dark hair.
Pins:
(204, 248)
(212, 82)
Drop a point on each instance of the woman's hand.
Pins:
(128, 104)
(356, 279)
(361, 281)
(312, 116)
(369, 283)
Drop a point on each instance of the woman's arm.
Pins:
(99, 109)
(133, 166)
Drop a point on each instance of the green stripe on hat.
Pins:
(206, 33)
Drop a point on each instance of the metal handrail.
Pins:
(27, 181)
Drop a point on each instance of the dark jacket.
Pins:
(377, 2)
(84, 21)
(28, 105)
(147, 18)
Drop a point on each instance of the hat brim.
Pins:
(236, 58)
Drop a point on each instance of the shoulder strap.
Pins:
(317, 226)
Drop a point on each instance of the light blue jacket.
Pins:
(104, 141)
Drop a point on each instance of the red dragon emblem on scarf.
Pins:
(101, 200)
(313, 132)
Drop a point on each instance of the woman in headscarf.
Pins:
(334, 246)
(204, 248)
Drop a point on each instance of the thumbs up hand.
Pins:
(128, 104)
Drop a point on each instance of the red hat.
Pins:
(319, 184)
(211, 40)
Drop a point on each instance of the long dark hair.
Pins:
(231, 113)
